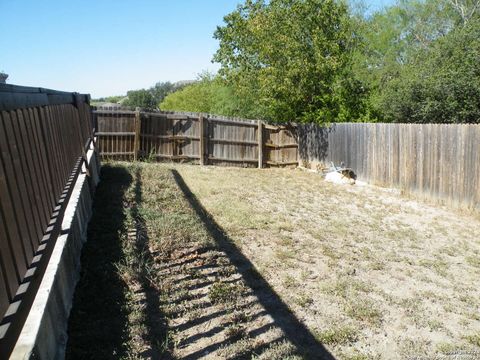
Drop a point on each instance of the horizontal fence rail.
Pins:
(201, 138)
(43, 139)
(438, 161)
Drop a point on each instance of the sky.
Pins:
(106, 47)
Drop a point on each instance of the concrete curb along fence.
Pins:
(44, 333)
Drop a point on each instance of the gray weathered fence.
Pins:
(200, 138)
(438, 161)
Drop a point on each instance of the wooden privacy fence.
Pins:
(440, 161)
(44, 135)
(204, 139)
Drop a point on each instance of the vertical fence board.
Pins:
(40, 144)
(180, 136)
(438, 161)
(36, 203)
(17, 187)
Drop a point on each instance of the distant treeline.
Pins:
(148, 99)
(324, 61)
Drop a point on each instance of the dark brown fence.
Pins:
(203, 139)
(43, 138)
(438, 161)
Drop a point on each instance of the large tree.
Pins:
(161, 89)
(286, 60)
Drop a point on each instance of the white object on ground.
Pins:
(339, 178)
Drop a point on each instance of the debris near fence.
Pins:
(340, 174)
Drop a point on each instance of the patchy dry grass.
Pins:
(156, 284)
(337, 335)
(372, 273)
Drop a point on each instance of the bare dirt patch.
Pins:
(372, 273)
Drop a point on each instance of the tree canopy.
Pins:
(417, 60)
(286, 58)
(321, 61)
(328, 61)
(140, 98)
(149, 99)
(440, 84)
(209, 94)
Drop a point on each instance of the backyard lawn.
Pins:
(228, 263)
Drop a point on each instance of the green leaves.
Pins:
(140, 98)
(318, 61)
(208, 95)
(441, 84)
(416, 61)
(285, 57)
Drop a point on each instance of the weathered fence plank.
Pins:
(260, 144)
(194, 137)
(281, 146)
(438, 161)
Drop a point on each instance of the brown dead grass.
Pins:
(375, 274)
(155, 284)
(210, 311)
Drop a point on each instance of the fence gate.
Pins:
(281, 148)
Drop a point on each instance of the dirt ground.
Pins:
(190, 262)
(370, 272)
(160, 280)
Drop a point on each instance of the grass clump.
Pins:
(474, 339)
(222, 293)
(339, 335)
(235, 331)
(290, 282)
(364, 310)
(447, 348)
(282, 350)
(346, 287)
(303, 300)
(437, 265)
(285, 255)
(474, 261)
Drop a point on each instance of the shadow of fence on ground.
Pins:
(99, 315)
(102, 309)
(295, 331)
(99, 325)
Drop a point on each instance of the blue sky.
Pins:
(107, 47)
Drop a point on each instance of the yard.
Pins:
(188, 262)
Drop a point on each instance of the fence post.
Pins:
(202, 140)
(260, 144)
(136, 142)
